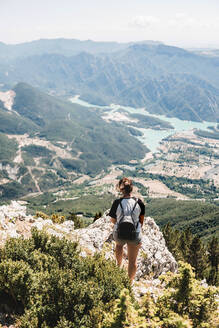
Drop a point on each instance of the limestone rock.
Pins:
(68, 225)
(154, 257)
(14, 222)
(38, 225)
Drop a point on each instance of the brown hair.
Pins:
(125, 186)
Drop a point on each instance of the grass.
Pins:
(87, 205)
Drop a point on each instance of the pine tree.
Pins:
(185, 240)
(172, 240)
(124, 314)
(198, 257)
(213, 256)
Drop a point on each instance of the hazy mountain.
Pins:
(66, 47)
(46, 142)
(164, 79)
(206, 51)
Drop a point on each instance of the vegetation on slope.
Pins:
(8, 148)
(11, 123)
(91, 144)
(201, 218)
(183, 304)
(203, 257)
(147, 121)
(87, 205)
(13, 190)
(46, 280)
(207, 134)
(45, 283)
(164, 79)
(37, 151)
(99, 143)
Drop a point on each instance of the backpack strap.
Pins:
(136, 202)
(120, 203)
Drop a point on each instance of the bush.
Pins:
(54, 217)
(55, 285)
(78, 222)
(184, 304)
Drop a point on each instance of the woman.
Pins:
(130, 207)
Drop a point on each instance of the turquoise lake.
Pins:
(151, 138)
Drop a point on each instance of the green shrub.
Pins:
(56, 286)
(15, 279)
(54, 217)
(186, 297)
(78, 222)
(183, 304)
(37, 151)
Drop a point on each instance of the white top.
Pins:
(128, 205)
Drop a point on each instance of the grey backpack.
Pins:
(126, 227)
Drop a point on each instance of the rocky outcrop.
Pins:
(14, 222)
(154, 258)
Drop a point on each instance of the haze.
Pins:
(188, 23)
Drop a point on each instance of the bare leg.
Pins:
(119, 254)
(132, 257)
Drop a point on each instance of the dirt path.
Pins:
(34, 180)
(18, 159)
(25, 140)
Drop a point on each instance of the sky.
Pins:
(185, 23)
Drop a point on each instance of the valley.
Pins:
(67, 138)
(109, 164)
(177, 151)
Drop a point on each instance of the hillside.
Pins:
(166, 80)
(57, 276)
(47, 143)
(201, 218)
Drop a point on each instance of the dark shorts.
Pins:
(135, 241)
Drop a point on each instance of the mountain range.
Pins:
(48, 143)
(66, 47)
(163, 79)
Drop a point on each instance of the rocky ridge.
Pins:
(154, 258)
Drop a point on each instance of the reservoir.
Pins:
(151, 138)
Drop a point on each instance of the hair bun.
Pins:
(125, 186)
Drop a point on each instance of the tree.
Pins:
(97, 216)
(198, 257)
(171, 237)
(213, 256)
(185, 241)
(78, 222)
